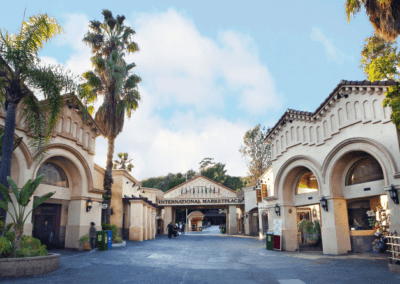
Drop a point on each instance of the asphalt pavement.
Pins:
(208, 259)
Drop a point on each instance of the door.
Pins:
(50, 213)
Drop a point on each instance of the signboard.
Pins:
(264, 191)
(259, 197)
(278, 234)
(197, 201)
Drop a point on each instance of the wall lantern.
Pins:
(393, 194)
(324, 203)
(247, 215)
(89, 204)
(277, 210)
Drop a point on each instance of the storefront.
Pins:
(331, 167)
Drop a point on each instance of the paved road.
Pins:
(207, 259)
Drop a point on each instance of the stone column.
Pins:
(246, 223)
(136, 220)
(145, 217)
(149, 218)
(167, 218)
(260, 224)
(394, 211)
(289, 227)
(335, 231)
(232, 220)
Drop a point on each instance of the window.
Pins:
(307, 184)
(364, 170)
(54, 175)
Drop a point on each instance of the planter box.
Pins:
(29, 266)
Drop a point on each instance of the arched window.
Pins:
(307, 184)
(53, 175)
(364, 170)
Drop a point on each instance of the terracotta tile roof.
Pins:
(330, 96)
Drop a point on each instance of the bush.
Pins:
(30, 246)
(85, 238)
(113, 228)
(118, 240)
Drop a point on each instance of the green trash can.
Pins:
(200, 229)
(223, 229)
(101, 240)
(270, 241)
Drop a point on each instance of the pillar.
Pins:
(394, 211)
(232, 219)
(136, 220)
(260, 224)
(149, 218)
(74, 230)
(145, 218)
(246, 219)
(288, 214)
(335, 227)
(167, 218)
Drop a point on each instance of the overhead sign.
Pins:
(264, 191)
(259, 197)
(198, 201)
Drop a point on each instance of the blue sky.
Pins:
(211, 69)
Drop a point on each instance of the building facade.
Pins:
(346, 152)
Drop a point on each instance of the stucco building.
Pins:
(347, 152)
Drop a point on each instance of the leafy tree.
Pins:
(153, 182)
(256, 153)
(384, 15)
(124, 162)
(111, 79)
(235, 183)
(217, 172)
(22, 197)
(206, 162)
(22, 73)
(191, 174)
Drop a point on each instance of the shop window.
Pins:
(53, 175)
(307, 184)
(364, 170)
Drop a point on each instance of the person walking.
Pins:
(175, 231)
(170, 228)
(183, 228)
(47, 234)
(92, 234)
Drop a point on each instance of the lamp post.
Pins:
(394, 194)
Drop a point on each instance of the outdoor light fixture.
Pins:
(290, 121)
(324, 203)
(277, 210)
(89, 204)
(283, 123)
(247, 215)
(346, 95)
(138, 188)
(393, 194)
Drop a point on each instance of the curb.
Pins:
(123, 244)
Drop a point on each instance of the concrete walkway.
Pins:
(208, 259)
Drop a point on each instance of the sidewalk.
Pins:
(313, 255)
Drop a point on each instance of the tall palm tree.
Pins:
(124, 162)
(111, 79)
(22, 73)
(384, 15)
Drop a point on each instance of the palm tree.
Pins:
(112, 80)
(384, 15)
(124, 162)
(21, 73)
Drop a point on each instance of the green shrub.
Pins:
(30, 246)
(6, 247)
(85, 238)
(113, 228)
(118, 240)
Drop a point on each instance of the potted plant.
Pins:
(85, 242)
(311, 230)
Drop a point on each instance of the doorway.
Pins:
(309, 227)
(52, 214)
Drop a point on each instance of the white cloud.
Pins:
(192, 77)
(331, 51)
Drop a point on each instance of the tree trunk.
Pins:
(6, 156)
(108, 180)
(19, 230)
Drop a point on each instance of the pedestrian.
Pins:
(92, 234)
(183, 228)
(47, 234)
(175, 231)
(170, 228)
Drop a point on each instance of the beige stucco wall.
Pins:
(321, 144)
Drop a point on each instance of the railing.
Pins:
(394, 247)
